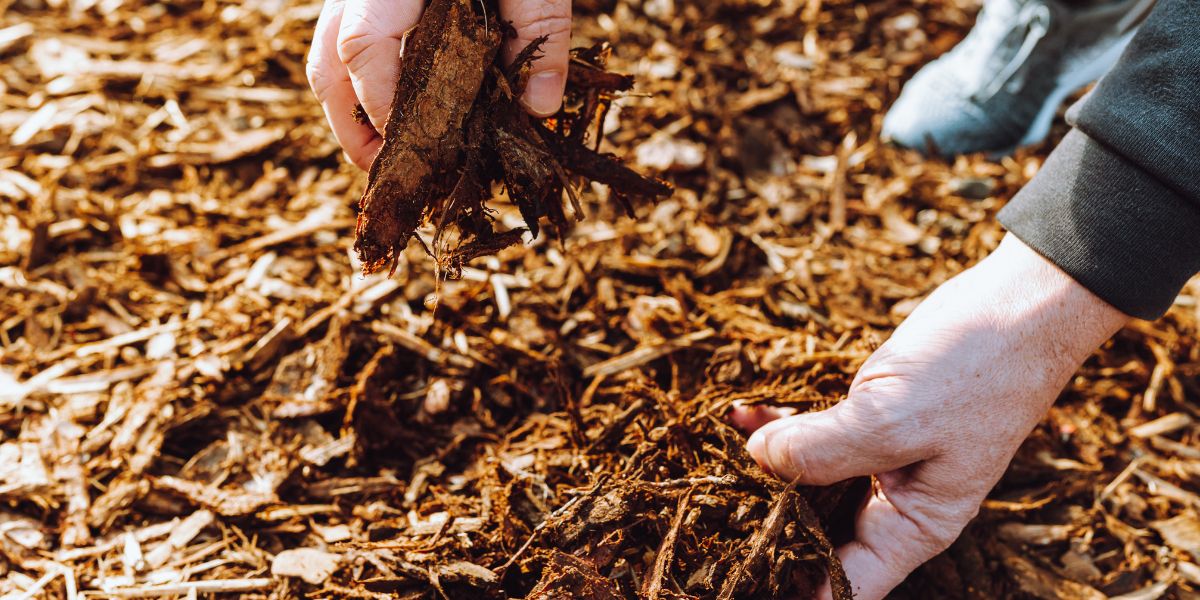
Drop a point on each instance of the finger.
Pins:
(751, 418)
(533, 19)
(888, 549)
(330, 83)
(832, 445)
(368, 44)
(898, 532)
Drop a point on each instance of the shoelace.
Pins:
(1035, 17)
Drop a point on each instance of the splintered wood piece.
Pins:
(758, 545)
(440, 76)
(645, 354)
(529, 176)
(224, 502)
(653, 587)
(566, 576)
(605, 168)
(116, 540)
(209, 586)
(1039, 582)
(181, 536)
(420, 347)
(457, 127)
(1161, 426)
(310, 564)
(812, 526)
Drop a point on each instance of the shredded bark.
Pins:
(201, 395)
(456, 127)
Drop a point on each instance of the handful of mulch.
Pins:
(456, 127)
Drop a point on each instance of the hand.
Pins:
(355, 58)
(937, 412)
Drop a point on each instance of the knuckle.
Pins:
(319, 79)
(873, 383)
(544, 18)
(934, 533)
(940, 523)
(353, 44)
(796, 460)
(875, 413)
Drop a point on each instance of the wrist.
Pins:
(1039, 306)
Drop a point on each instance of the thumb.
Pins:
(832, 445)
(533, 19)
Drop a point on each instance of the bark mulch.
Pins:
(202, 393)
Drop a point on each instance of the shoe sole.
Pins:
(1069, 84)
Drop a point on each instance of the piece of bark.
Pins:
(439, 80)
(566, 576)
(652, 589)
(313, 565)
(457, 127)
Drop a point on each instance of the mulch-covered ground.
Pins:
(199, 393)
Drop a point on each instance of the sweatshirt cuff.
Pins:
(1110, 225)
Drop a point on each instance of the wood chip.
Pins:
(310, 564)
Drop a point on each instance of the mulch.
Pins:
(201, 394)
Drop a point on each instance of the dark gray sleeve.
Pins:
(1117, 204)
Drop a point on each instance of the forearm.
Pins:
(1017, 307)
(1043, 303)
(1117, 204)
(1120, 231)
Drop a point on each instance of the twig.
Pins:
(125, 339)
(421, 347)
(653, 587)
(759, 543)
(644, 354)
(672, 484)
(211, 586)
(812, 526)
(1161, 426)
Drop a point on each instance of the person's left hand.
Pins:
(938, 411)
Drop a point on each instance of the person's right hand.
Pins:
(355, 59)
(937, 412)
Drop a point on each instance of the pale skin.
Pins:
(935, 414)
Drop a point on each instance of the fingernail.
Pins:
(756, 445)
(543, 94)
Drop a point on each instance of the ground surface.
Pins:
(197, 387)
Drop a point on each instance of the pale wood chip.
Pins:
(1182, 533)
(310, 564)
